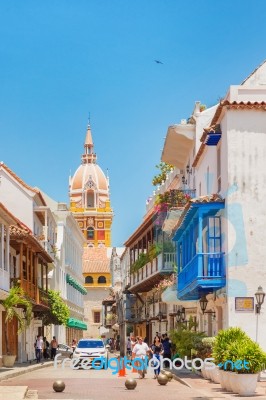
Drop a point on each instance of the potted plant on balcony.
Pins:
(16, 299)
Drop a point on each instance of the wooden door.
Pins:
(12, 329)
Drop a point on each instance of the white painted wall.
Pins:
(246, 136)
(17, 199)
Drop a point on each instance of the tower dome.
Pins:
(89, 175)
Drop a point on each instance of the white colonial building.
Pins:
(68, 278)
(30, 257)
(220, 234)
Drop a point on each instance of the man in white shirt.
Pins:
(141, 350)
(39, 348)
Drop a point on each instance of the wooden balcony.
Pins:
(203, 274)
(150, 274)
(29, 288)
(42, 298)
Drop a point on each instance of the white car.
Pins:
(89, 349)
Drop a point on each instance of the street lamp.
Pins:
(203, 303)
(183, 314)
(178, 316)
(260, 299)
(160, 317)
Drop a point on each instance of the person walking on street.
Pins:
(45, 348)
(39, 348)
(73, 346)
(141, 350)
(167, 349)
(128, 347)
(54, 346)
(157, 351)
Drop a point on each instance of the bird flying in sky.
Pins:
(158, 61)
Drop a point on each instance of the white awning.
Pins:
(178, 144)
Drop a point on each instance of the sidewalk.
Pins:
(18, 392)
(23, 368)
(213, 390)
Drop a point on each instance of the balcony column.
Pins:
(41, 275)
(31, 271)
(183, 252)
(2, 244)
(46, 278)
(46, 231)
(7, 249)
(178, 260)
(27, 269)
(21, 262)
(191, 241)
(194, 238)
(200, 244)
(35, 274)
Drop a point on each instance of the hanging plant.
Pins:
(165, 169)
(165, 283)
(58, 313)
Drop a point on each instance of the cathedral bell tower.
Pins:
(89, 198)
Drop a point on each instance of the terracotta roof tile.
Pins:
(96, 260)
(212, 198)
(17, 231)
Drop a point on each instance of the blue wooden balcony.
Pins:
(203, 274)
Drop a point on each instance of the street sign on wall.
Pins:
(244, 304)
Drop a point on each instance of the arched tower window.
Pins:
(90, 199)
(88, 279)
(90, 233)
(101, 279)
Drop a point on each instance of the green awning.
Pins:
(71, 281)
(76, 323)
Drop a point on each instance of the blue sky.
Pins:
(61, 60)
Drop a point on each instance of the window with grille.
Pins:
(97, 317)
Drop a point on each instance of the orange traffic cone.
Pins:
(122, 369)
